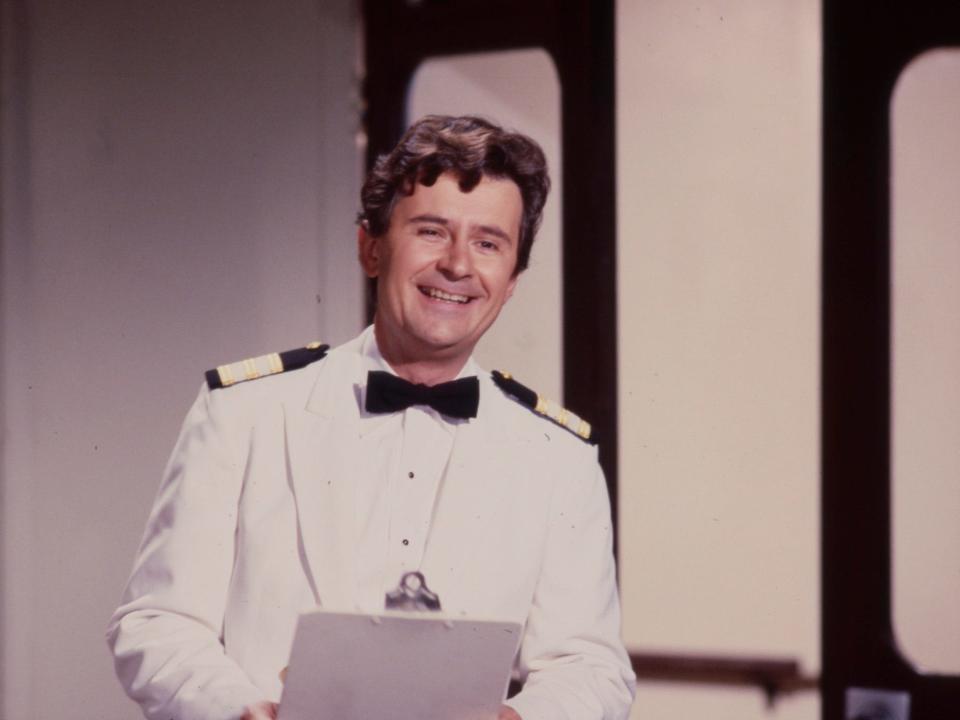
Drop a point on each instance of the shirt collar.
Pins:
(372, 359)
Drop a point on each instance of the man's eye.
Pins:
(429, 232)
(488, 245)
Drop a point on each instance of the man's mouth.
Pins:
(438, 294)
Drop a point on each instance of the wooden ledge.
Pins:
(774, 676)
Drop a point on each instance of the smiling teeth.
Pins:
(441, 295)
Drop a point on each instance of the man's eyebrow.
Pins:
(429, 219)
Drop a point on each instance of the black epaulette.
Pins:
(253, 368)
(547, 408)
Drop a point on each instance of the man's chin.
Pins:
(427, 339)
(445, 346)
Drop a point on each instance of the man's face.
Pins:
(444, 267)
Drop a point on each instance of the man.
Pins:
(309, 486)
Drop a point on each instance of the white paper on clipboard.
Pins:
(397, 666)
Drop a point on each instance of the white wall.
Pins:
(179, 185)
(718, 186)
(925, 147)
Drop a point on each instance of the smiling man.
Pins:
(330, 474)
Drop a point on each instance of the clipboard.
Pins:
(398, 665)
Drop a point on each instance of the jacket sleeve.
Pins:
(576, 665)
(166, 634)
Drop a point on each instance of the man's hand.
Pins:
(263, 710)
(508, 713)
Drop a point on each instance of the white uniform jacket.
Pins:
(254, 523)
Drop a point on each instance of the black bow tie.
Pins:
(389, 393)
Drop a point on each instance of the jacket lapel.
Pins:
(323, 445)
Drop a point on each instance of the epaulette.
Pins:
(257, 367)
(547, 408)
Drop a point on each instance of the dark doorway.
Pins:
(866, 46)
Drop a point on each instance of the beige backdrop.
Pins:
(718, 190)
(925, 187)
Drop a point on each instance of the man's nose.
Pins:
(456, 261)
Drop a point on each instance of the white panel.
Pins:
(926, 360)
(518, 90)
(179, 185)
(718, 258)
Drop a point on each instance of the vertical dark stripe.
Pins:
(585, 58)
(17, 233)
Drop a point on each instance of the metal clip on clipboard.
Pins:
(412, 594)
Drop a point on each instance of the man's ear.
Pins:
(511, 286)
(368, 251)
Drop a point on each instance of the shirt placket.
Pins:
(426, 446)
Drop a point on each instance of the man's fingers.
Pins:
(508, 713)
(263, 710)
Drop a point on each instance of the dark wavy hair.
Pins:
(470, 148)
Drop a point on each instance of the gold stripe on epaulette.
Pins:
(226, 377)
(563, 417)
(275, 363)
(554, 412)
(584, 429)
(544, 407)
(248, 369)
(265, 365)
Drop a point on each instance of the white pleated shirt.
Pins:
(399, 478)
